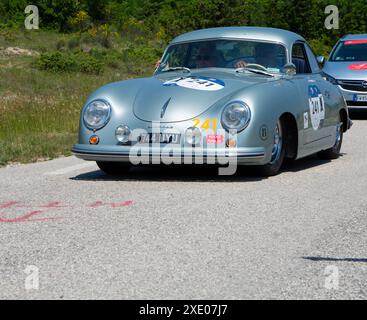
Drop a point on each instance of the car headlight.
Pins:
(97, 114)
(122, 134)
(330, 78)
(193, 136)
(236, 116)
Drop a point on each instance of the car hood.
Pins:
(344, 70)
(181, 96)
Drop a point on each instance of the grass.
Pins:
(39, 110)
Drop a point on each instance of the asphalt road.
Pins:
(186, 234)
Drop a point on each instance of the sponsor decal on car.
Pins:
(215, 139)
(358, 66)
(352, 42)
(317, 107)
(196, 83)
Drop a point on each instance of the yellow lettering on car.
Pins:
(197, 122)
(207, 124)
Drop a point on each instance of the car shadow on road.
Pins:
(197, 173)
(173, 174)
(330, 259)
(358, 114)
(306, 163)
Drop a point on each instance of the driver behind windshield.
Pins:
(266, 54)
(207, 57)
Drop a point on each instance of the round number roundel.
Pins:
(317, 107)
(196, 83)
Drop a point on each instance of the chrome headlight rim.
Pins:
(242, 126)
(108, 117)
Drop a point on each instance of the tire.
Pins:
(278, 155)
(334, 152)
(113, 168)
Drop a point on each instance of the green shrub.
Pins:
(55, 61)
(320, 48)
(86, 63)
(69, 62)
(111, 58)
(74, 42)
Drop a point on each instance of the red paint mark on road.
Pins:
(99, 204)
(122, 204)
(33, 216)
(96, 204)
(56, 204)
(6, 205)
(23, 218)
(27, 218)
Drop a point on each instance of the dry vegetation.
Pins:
(39, 109)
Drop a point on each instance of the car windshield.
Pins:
(224, 54)
(353, 50)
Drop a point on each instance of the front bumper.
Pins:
(161, 155)
(349, 97)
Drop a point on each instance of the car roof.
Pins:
(362, 36)
(253, 33)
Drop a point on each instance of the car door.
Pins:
(314, 98)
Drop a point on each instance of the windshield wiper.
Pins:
(177, 69)
(258, 71)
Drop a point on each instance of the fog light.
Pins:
(193, 136)
(231, 143)
(122, 134)
(94, 140)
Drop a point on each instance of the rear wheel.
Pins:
(278, 152)
(334, 152)
(113, 168)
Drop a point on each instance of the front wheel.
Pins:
(334, 152)
(278, 152)
(113, 168)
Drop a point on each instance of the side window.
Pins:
(299, 58)
(312, 59)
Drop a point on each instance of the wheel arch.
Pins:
(344, 118)
(291, 134)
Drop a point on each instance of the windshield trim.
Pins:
(225, 38)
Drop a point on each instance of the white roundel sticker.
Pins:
(317, 107)
(196, 83)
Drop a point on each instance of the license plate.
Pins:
(160, 138)
(360, 98)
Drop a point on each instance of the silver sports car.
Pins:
(224, 96)
(347, 68)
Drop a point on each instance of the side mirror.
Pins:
(290, 69)
(320, 60)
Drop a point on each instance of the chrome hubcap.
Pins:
(278, 144)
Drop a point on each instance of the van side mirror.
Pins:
(290, 69)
